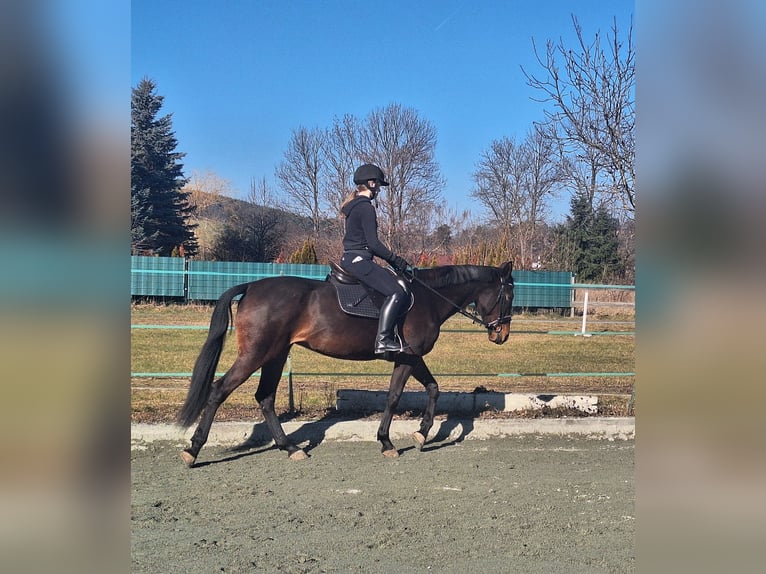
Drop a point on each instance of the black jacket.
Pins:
(362, 229)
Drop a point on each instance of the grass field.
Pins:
(462, 360)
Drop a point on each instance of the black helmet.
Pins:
(368, 171)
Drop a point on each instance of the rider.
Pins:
(360, 243)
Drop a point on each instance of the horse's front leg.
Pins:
(396, 387)
(423, 375)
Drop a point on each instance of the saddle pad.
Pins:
(355, 300)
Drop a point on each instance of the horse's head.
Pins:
(495, 304)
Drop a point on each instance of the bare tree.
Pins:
(205, 192)
(300, 175)
(592, 89)
(260, 194)
(265, 222)
(317, 172)
(403, 145)
(498, 180)
(206, 189)
(343, 157)
(542, 177)
(514, 182)
(433, 231)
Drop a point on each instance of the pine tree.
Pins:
(587, 243)
(160, 210)
(574, 236)
(603, 261)
(140, 212)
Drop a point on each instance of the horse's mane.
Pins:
(448, 275)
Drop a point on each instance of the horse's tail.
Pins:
(207, 361)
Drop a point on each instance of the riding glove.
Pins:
(399, 264)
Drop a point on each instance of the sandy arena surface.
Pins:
(527, 503)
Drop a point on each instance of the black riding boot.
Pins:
(386, 341)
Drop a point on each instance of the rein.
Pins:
(474, 317)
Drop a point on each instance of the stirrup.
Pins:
(386, 345)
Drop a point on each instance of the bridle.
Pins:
(503, 316)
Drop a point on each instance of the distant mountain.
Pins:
(222, 207)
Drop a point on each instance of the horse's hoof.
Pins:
(298, 455)
(391, 453)
(188, 458)
(419, 439)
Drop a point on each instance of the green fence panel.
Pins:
(554, 290)
(156, 276)
(309, 271)
(208, 279)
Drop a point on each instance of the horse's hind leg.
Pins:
(424, 376)
(221, 389)
(271, 373)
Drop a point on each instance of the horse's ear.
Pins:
(506, 270)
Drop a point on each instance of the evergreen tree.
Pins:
(587, 243)
(159, 209)
(306, 254)
(140, 211)
(237, 242)
(231, 244)
(603, 263)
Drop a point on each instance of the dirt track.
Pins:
(528, 503)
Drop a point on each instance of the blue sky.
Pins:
(240, 76)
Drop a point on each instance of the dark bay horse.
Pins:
(278, 312)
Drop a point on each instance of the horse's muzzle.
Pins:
(499, 334)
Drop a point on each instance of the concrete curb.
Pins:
(354, 401)
(253, 435)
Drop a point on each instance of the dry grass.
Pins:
(462, 360)
(606, 303)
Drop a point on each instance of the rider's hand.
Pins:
(399, 264)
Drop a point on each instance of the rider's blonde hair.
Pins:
(352, 196)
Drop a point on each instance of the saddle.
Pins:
(353, 297)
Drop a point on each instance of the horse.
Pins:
(275, 313)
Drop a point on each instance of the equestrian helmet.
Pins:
(368, 171)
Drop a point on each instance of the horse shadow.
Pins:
(238, 452)
(312, 432)
(451, 431)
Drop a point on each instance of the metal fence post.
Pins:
(290, 397)
(574, 296)
(186, 280)
(584, 313)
